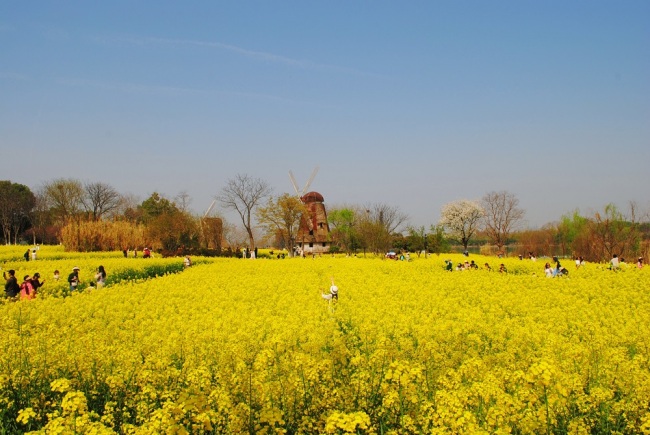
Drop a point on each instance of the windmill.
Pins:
(207, 212)
(313, 234)
(211, 229)
(304, 189)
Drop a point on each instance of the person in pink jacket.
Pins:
(27, 289)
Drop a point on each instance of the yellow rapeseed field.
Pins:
(250, 346)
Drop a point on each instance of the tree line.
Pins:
(494, 222)
(94, 217)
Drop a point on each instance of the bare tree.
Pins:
(461, 219)
(377, 224)
(243, 194)
(65, 196)
(100, 200)
(502, 215)
(183, 200)
(388, 217)
(233, 235)
(40, 217)
(127, 207)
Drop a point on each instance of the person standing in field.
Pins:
(100, 276)
(73, 278)
(614, 262)
(26, 255)
(579, 262)
(11, 285)
(33, 254)
(333, 295)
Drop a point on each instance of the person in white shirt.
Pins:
(333, 294)
(548, 270)
(100, 276)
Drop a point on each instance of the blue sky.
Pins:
(412, 104)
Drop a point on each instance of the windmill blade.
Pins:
(209, 209)
(293, 182)
(311, 178)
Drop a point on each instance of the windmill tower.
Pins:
(313, 234)
(211, 230)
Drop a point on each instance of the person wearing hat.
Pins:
(36, 282)
(11, 285)
(73, 278)
(26, 288)
(333, 295)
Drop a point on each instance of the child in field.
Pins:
(579, 262)
(333, 294)
(100, 276)
(548, 270)
(73, 278)
(559, 270)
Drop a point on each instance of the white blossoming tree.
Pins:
(461, 219)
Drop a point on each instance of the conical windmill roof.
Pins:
(312, 197)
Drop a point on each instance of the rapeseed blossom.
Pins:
(231, 346)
